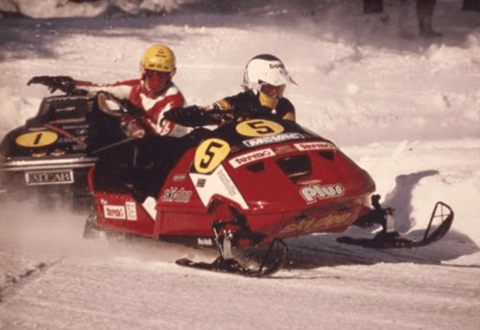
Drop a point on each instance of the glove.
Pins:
(194, 116)
(132, 127)
(132, 109)
(174, 115)
(65, 84)
(246, 111)
(189, 116)
(220, 116)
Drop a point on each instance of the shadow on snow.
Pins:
(319, 250)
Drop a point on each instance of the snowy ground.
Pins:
(406, 109)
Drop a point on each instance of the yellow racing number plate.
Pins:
(259, 127)
(36, 139)
(210, 153)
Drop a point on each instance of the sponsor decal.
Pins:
(116, 212)
(272, 139)
(68, 136)
(204, 241)
(251, 157)
(201, 183)
(305, 146)
(37, 139)
(73, 139)
(131, 211)
(315, 191)
(284, 149)
(258, 127)
(177, 195)
(179, 177)
(277, 66)
(227, 182)
(316, 223)
(66, 109)
(218, 183)
(49, 177)
(83, 128)
(81, 132)
(309, 182)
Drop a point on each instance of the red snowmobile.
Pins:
(240, 188)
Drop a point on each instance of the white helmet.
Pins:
(265, 68)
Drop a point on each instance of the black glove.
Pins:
(189, 116)
(132, 109)
(65, 84)
(194, 116)
(179, 115)
(220, 116)
(249, 111)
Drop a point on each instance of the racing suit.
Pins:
(154, 105)
(141, 165)
(241, 106)
(248, 100)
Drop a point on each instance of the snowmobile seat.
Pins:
(139, 167)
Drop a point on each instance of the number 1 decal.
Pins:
(36, 139)
(210, 153)
(259, 127)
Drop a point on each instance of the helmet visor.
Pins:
(272, 91)
(158, 74)
(156, 80)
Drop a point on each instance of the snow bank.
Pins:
(65, 8)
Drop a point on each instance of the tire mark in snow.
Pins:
(460, 265)
(12, 283)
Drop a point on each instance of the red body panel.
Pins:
(122, 212)
(327, 197)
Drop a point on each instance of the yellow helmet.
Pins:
(159, 58)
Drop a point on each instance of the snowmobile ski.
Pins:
(271, 263)
(386, 240)
(230, 266)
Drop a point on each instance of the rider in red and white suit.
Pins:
(154, 92)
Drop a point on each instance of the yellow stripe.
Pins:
(289, 116)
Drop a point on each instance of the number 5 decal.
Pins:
(259, 127)
(210, 153)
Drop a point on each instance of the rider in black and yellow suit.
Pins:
(265, 79)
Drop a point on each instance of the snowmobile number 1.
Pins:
(36, 139)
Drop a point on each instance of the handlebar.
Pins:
(65, 84)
